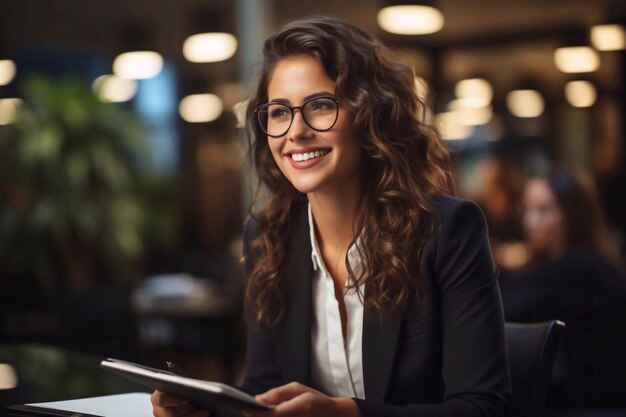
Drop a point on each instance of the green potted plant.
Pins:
(69, 173)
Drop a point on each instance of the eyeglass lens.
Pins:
(319, 114)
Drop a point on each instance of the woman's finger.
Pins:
(283, 393)
(162, 399)
(296, 405)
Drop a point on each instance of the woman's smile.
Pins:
(306, 158)
(306, 155)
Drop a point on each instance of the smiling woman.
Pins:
(370, 292)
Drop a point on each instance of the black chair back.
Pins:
(532, 349)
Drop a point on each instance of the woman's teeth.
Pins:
(308, 155)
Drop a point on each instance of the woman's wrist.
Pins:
(345, 407)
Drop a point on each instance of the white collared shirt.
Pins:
(336, 365)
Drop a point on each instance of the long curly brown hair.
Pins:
(405, 163)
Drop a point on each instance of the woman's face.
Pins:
(313, 161)
(543, 219)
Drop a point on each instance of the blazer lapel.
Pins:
(294, 330)
(380, 339)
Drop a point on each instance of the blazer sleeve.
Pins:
(474, 365)
(262, 369)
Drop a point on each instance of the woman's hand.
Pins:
(165, 405)
(295, 399)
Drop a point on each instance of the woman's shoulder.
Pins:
(458, 255)
(455, 211)
(459, 225)
(446, 203)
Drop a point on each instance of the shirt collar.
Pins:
(315, 257)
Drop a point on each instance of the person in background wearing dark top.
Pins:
(574, 276)
(370, 292)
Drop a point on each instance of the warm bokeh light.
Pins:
(8, 377)
(576, 59)
(200, 108)
(8, 110)
(608, 37)
(7, 71)
(525, 103)
(421, 88)
(410, 19)
(209, 47)
(511, 255)
(113, 89)
(240, 113)
(471, 111)
(477, 116)
(451, 126)
(138, 65)
(466, 103)
(474, 88)
(580, 93)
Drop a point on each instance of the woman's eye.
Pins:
(278, 113)
(322, 105)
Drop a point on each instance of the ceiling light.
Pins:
(477, 116)
(209, 47)
(525, 103)
(113, 89)
(200, 108)
(608, 37)
(471, 116)
(138, 61)
(576, 59)
(7, 71)
(466, 103)
(580, 93)
(410, 19)
(452, 127)
(209, 40)
(477, 89)
(138, 65)
(471, 111)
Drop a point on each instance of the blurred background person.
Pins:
(574, 275)
(499, 192)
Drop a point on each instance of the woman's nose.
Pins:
(299, 129)
(531, 219)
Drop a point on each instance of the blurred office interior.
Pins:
(123, 195)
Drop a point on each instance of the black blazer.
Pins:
(444, 357)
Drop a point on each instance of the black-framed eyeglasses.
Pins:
(319, 113)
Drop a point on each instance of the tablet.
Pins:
(221, 399)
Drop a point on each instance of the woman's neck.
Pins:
(334, 217)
